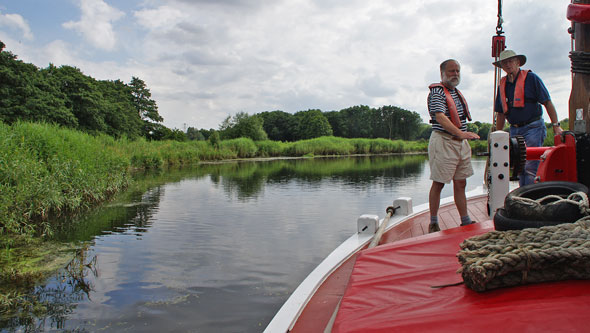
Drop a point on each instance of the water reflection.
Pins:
(48, 306)
(179, 246)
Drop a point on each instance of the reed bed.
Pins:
(47, 171)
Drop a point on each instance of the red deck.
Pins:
(321, 307)
(391, 290)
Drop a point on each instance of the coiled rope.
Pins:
(508, 258)
(580, 62)
(579, 199)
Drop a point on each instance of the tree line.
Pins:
(388, 122)
(65, 96)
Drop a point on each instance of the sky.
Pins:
(205, 60)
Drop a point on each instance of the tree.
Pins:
(337, 122)
(145, 106)
(484, 130)
(312, 124)
(67, 97)
(214, 139)
(194, 134)
(472, 127)
(425, 131)
(357, 122)
(31, 95)
(119, 111)
(241, 125)
(279, 125)
(83, 97)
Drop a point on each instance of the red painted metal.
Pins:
(579, 13)
(498, 45)
(560, 161)
(534, 153)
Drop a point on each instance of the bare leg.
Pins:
(459, 195)
(434, 197)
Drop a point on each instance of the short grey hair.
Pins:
(443, 65)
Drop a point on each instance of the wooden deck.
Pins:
(322, 305)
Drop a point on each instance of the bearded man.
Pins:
(449, 152)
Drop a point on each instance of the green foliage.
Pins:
(65, 96)
(243, 147)
(484, 131)
(357, 124)
(46, 171)
(268, 148)
(279, 125)
(478, 146)
(194, 134)
(311, 124)
(214, 139)
(146, 108)
(242, 125)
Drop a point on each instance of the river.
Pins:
(219, 247)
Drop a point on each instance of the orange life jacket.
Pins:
(518, 91)
(454, 114)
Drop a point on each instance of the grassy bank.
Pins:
(47, 171)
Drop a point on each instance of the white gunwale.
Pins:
(286, 317)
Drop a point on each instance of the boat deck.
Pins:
(321, 308)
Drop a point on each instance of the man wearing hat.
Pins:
(519, 99)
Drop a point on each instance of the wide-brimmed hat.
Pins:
(507, 54)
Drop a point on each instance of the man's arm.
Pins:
(500, 120)
(446, 123)
(552, 113)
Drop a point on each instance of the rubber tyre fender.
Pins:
(504, 223)
(564, 212)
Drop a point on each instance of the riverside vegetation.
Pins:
(48, 171)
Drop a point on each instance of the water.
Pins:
(221, 247)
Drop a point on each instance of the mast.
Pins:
(578, 13)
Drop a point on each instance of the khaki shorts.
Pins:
(449, 159)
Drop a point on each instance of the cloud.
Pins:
(206, 59)
(96, 23)
(15, 21)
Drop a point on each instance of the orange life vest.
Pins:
(454, 114)
(518, 91)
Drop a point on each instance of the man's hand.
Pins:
(468, 136)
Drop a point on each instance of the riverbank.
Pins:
(48, 172)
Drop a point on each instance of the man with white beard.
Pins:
(449, 152)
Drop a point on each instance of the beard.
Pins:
(451, 82)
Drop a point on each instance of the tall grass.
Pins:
(48, 171)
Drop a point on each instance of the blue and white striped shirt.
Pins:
(437, 102)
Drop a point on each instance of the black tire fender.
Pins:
(503, 223)
(563, 211)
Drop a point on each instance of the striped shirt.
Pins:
(437, 102)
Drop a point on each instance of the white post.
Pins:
(499, 170)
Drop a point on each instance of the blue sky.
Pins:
(204, 60)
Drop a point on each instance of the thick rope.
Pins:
(579, 199)
(508, 258)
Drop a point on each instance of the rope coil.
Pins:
(579, 199)
(580, 62)
(508, 258)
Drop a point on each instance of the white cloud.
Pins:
(205, 59)
(15, 21)
(96, 23)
